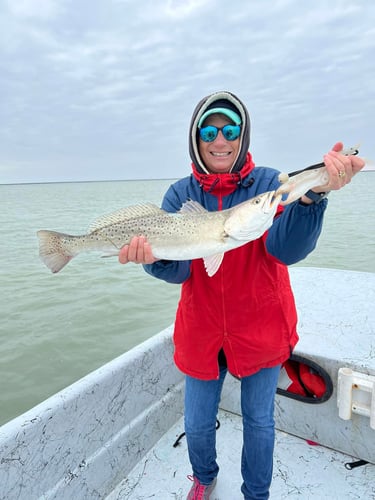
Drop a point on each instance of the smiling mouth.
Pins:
(220, 154)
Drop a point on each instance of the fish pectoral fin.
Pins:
(212, 263)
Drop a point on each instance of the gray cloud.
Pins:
(104, 90)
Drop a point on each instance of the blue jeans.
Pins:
(257, 403)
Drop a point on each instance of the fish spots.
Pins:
(172, 236)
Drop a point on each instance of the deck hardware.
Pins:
(353, 465)
(177, 442)
(356, 394)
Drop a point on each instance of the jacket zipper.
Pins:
(225, 333)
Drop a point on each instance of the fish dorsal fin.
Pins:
(212, 263)
(131, 212)
(192, 206)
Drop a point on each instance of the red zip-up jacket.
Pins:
(247, 309)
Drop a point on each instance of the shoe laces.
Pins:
(199, 489)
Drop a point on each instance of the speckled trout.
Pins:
(295, 184)
(191, 233)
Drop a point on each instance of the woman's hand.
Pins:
(341, 168)
(138, 251)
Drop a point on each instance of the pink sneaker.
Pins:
(200, 491)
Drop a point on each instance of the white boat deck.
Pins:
(91, 441)
(301, 470)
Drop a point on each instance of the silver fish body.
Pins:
(191, 233)
(297, 185)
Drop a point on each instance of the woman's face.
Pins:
(220, 154)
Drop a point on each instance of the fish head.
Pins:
(262, 204)
(250, 219)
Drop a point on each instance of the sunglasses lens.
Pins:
(231, 132)
(209, 133)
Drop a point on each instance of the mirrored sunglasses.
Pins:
(230, 132)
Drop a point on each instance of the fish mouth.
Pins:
(270, 200)
(276, 198)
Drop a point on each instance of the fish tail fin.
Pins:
(52, 250)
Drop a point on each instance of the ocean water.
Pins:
(56, 328)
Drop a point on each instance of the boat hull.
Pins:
(337, 329)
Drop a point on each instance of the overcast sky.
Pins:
(104, 89)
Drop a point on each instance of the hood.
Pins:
(227, 100)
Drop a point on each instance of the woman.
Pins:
(243, 319)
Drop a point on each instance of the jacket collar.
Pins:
(223, 184)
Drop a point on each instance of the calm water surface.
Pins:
(55, 329)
